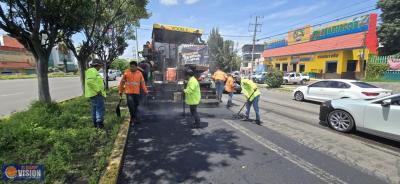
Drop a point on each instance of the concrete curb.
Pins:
(110, 175)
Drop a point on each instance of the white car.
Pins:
(112, 75)
(379, 116)
(337, 89)
(295, 78)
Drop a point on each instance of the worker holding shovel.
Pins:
(252, 95)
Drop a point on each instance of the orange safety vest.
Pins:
(229, 85)
(219, 75)
(131, 82)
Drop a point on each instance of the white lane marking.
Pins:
(307, 166)
(11, 94)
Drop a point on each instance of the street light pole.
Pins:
(137, 44)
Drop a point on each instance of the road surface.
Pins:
(291, 146)
(16, 95)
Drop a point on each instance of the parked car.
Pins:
(338, 88)
(112, 75)
(379, 116)
(260, 78)
(295, 78)
(118, 72)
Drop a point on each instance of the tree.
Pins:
(105, 14)
(114, 45)
(36, 24)
(389, 32)
(227, 58)
(120, 64)
(215, 43)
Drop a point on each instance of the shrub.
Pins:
(60, 136)
(375, 71)
(274, 79)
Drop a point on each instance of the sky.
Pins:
(232, 17)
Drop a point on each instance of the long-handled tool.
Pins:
(239, 115)
(118, 109)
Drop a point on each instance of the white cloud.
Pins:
(169, 2)
(294, 12)
(191, 1)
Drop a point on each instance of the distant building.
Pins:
(57, 58)
(247, 52)
(336, 50)
(248, 66)
(14, 58)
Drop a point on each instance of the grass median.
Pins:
(34, 76)
(61, 136)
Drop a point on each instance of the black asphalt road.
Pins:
(165, 149)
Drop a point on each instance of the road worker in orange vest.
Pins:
(131, 83)
(229, 87)
(219, 79)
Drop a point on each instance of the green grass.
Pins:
(24, 76)
(61, 136)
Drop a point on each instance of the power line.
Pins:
(322, 23)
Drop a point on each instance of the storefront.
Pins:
(334, 51)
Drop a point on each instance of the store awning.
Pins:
(350, 41)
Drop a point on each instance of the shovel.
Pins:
(118, 109)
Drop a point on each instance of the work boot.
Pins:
(196, 125)
(258, 122)
(246, 118)
(131, 121)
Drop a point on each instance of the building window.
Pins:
(331, 67)
(284, 67)
(278, 66)
(294, 67)
(302, 68)
(351, 65)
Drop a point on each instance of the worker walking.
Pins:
(192, 96)
(219, 79)
(131, 84)
(229, 87)
(94, 89)
(252, 95)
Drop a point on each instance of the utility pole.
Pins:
(257, 28)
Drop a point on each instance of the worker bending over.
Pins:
(252, 95)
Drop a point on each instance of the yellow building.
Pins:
(334, 51)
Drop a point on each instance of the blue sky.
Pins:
(232, 17)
